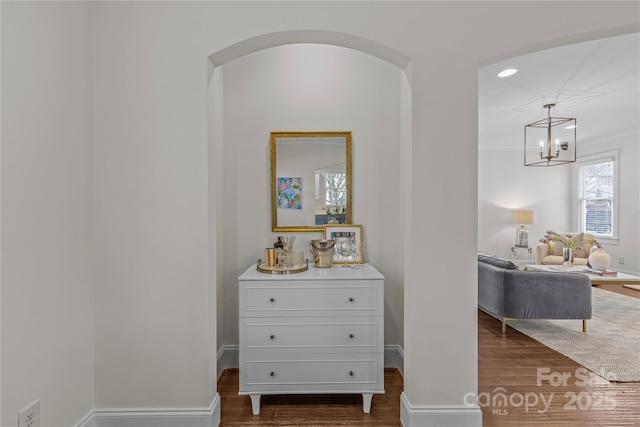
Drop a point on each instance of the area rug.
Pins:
(611, 346)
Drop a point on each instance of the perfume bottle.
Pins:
(279, 247)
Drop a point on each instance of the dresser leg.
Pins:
(255, 403)
(366, 402)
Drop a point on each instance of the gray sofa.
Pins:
(506, 292)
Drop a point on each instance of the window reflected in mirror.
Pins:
(331, 195)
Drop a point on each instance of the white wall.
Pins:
(310, 87)
(151, 175)
(47, 293)
(151, 204)
(628, 245)
(216, 218)
(504, 183)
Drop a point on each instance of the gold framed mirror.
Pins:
(310, 179)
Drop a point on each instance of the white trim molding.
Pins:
(179, 417)
(394, 358)
(577, 220)
(87, 421)
(438, 416)
(227, 357)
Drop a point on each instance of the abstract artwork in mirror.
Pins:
(310, 179)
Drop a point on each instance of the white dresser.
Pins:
(319, 331)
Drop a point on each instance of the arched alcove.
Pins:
(330, 38)
(259, 58)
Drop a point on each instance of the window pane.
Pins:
(598, 180)
(336, 188)
(597, 186)
(597, 216)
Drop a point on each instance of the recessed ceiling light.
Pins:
(508, 72)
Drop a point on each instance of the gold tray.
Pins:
(264, 268)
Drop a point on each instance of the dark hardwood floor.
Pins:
(310, 410)
(506, 363)
(509, 363)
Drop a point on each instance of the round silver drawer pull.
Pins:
(351, 373)
(273, 374)
(273, 337)
(351, 336)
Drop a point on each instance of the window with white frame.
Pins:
(336, 184)
(597, 190)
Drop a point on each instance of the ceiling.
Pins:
(597, 82)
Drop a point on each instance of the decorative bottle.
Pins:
(279, 246)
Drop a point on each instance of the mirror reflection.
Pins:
(310, 180)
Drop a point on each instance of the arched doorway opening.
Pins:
(303, 80)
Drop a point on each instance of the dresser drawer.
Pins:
(335, 374)
(312, 335)
(311, 298)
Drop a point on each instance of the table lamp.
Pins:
(522, 217)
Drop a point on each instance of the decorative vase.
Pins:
(567, 257)
(599, 259)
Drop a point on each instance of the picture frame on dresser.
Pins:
(348, 248)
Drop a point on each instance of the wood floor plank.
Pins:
(319, 410)
(511, 361)
(507, 363)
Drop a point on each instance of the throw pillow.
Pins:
(588, 243)
(498, 262)
(577, 240)
(579, 252)
(484, 253)
(555, 248)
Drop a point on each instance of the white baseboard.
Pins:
(87, 421)
(439, 416)
(228, 357)
(394, 357)
(183, 417)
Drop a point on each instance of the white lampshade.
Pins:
(523, 216)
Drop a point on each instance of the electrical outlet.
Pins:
(620, 260)
(29, 416)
